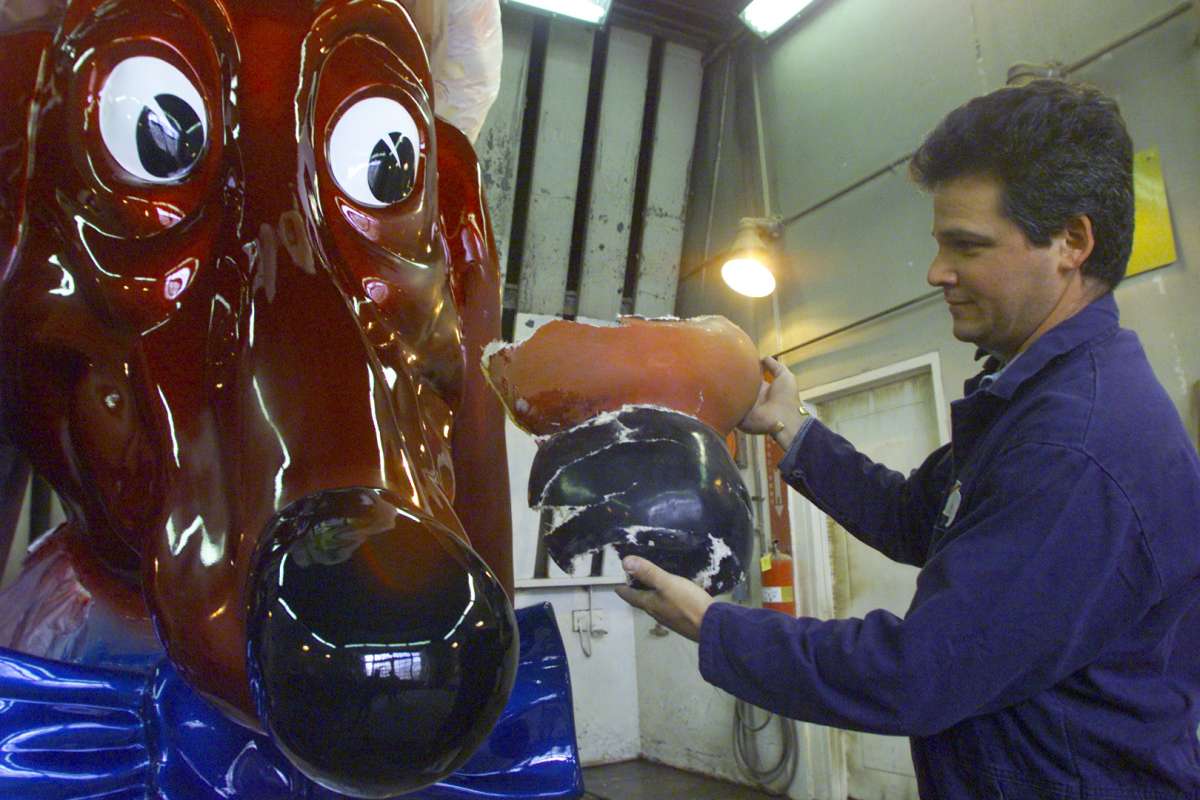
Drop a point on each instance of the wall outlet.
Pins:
(598, 625)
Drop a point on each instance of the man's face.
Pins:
(1000, 288)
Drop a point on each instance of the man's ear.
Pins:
(1078, 242)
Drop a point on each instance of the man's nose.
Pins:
(940, 273)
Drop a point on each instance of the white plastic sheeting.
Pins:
(465, 45)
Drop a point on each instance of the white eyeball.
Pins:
(373, 152)
(152, 120)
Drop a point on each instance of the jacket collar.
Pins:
(1097, 317)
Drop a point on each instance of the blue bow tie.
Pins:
(71, 731)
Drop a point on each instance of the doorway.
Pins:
(896, 415)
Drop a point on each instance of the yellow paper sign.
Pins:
(1153, 239)
(764, 563)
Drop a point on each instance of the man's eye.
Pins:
(373, 152)
(152, 120)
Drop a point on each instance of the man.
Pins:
(1058, 535)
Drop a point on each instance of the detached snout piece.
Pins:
(381, 647)
(631, 456)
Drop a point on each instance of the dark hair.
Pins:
(1059, 149)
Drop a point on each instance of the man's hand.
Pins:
(676, 602)
(778, 401)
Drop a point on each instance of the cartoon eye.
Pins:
(152, 119)
(373, 152)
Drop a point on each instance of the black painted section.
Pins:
(688, 498)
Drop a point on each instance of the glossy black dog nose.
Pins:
(381, 648)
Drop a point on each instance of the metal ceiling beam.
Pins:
(700, 24)
(699, 38)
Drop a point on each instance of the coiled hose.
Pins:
(773, 779)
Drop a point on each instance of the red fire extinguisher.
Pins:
(777, 590)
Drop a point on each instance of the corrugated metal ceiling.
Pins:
(703, 24)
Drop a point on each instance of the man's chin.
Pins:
(975, 337)
(965, 333)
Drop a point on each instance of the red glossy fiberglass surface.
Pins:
(183, 358)
(568, 372)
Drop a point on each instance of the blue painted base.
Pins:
(70, 732)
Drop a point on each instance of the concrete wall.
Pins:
(685, 722)
(545, 224)
(604, 685)
(853, 88)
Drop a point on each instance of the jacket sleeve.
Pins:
(1042, 568)
(879, 506)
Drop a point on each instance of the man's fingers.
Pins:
(763, 389)
(647, 600)
(645, 572)
(649, 575)
(635, 597)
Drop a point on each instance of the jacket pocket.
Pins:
(1008, 786)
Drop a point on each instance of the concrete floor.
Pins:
(642, 780)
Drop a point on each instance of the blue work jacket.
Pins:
(1052, 649)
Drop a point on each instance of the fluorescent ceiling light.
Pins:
(764, 17)
(593, 11)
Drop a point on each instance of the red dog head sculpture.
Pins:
(247, 277)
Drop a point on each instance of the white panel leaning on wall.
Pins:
(531, 566)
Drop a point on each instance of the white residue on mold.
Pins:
(720, 551)
(605, 417)
(561, 515)
(495, 347)
(633, 531)
(593, 323)
(667, 318)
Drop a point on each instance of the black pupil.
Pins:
(169, 145)
(393, 168)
